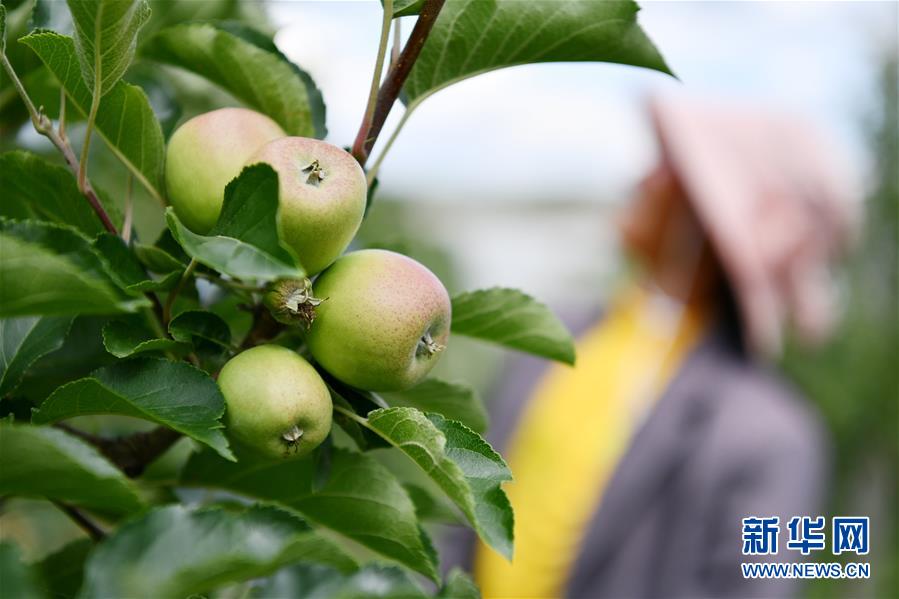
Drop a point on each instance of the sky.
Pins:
(586, 135)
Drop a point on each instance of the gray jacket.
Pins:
(727, 440)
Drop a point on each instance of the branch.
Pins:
(396, 77)
(89, 526)
(132, 454)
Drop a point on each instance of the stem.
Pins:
(395, 50)
(353, 416)
(133, 453)
(170, 300)
(89, 526)
(62, 115)
(373, 171)
(375, 78)
(95, 105)
(396, 77)
(43, 126)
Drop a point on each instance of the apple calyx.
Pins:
(315, 172)
(291, 302)
(427, 346)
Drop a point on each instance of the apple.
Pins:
(322, 195)
(277, 404)
(205, 153)
(383, 321)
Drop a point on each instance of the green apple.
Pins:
(205, 153)
(277, 404)
(383, 321)
(322, 193)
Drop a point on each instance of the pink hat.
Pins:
(777, 205)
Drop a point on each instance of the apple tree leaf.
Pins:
(62, 572)
(455, 401)
(316, 581)
(34, 188)
(513, 319)
(53, 270)
(40, 461)
(174, 394)
(360, 499)
(23, 340)
(106, 37)
(176, 551)
(244, 243)
(462, 464)
(126, 338)
(264, 80)
(125, 120)
(471, 37)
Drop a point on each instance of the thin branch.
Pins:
(375, 77)
(397, 41)
(373, 171)
(89, 526)
(170, 300)
(396, 77)
(43, 126)
(91, 118)
(61, 127)
(129, 209)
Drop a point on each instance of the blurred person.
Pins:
(634, 469)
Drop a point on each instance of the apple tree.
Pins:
(250, 332)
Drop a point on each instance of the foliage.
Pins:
(108, 332)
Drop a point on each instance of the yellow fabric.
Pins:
(574, 431)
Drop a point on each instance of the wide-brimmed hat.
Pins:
(778, 205)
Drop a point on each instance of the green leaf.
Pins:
(124, 267)
(471, 37)
(261, 79)
(24, 340)
(406, 8)
(429, 508)
(361, 499)
(314, 581)
(36, 189)
(174, 394)
(459, 585)
(62, 572)
(176, 551)
(165, 256)
(244, 242)
(200, 328)
(513, 319)
(452, 400)
(462, 464)
(125, 120)
(126, 338)
(106, 37)
(16, 578)
(53, 270)
(45, 462)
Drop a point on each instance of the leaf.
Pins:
(261, 79)
(462, 464)
(199, 327)
(459, 585)
(45, 462)
(471, 37)
(106, 37)
(16, 579)
(164, 256)
(123, 266)
(361, 499)
(126, 338)
(124, 120)
(244, 243)
(177, 551)
(36, 189)
(453, 400)
(53, 270)
(429, 508)
(62, 572)
(314, 581)
(24, 340)
(511, 318)
(174, 394)
(406, 8)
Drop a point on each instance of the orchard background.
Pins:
(104, 504)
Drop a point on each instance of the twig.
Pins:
(43, 126)
(373, 171)
(395, 50)
(396, 77)
(133, 453)
(129, 210)
(89, 526)
(170, 300)
(376, 76)
(91, 118)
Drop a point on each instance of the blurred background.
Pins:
(515, 178)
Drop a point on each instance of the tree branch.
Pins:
(396, 77)
(133, 453)
(89, 526)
